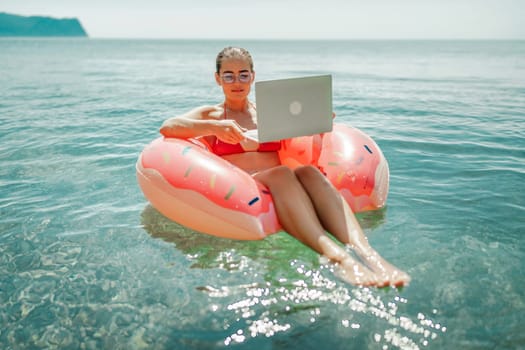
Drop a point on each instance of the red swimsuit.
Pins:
(221, 148)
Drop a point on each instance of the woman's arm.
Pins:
(203, 121)
(191, 124)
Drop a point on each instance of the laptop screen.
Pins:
(293, 107)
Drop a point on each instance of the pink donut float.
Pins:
(190, 185)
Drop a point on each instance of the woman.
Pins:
(306, 202)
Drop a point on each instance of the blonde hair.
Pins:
(233, 52)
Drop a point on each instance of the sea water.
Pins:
(86, 263)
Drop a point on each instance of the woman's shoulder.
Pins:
(206, 112)
(206, 108)
(212, 111)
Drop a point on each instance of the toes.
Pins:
(400, 278)
(356, 274)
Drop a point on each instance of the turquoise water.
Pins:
(86, 263)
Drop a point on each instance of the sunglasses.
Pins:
(243, 77)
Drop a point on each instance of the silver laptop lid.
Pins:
(293, 107)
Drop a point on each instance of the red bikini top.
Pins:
(221, 148)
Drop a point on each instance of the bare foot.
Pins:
(385, 271)
(355, 273)
(347, 267)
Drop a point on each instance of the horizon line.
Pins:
(261, 39)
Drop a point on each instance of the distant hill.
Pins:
(14, 25)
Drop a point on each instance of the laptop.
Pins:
(292, 107)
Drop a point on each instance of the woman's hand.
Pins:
(229, 131)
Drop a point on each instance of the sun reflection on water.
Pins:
(264, 308)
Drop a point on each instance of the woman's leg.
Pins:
(337, 218)
(298, 217)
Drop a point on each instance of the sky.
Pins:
(287, 19)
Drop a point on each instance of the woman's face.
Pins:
(235, 78)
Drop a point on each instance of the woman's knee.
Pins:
(313, 179)
(277, 175)
(309, 173)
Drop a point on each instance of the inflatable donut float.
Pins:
(192, 186)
